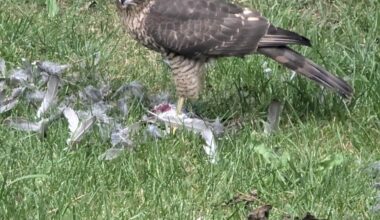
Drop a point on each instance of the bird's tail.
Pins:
(295, 61)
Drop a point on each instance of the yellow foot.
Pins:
(180, 103)
(174, 130)
(179, 107)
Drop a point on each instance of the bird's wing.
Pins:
(205, 27)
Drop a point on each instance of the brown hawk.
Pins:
(188, 33)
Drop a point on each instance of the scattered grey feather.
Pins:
(273, 118)
(44, 78)
(3, 87)
(22, 124)
(51, 67)
(55, 115)
(8, 105)
(16, 93)
(123, 106)
(19, 77)
(217, 127)
(105, 89)
(35, 96)
(10, 102)
(134, 89)
(83, 114)
(3, 67)
(137, 89)
(91, 94)
(67, 102)
(376, 166)
(100, 110)
(121, 137)
(50, 96)
(374, 169)
(112, 153)
(375, 208)
(155, 132)
(28, 67)
(105, 130)
(120, 141)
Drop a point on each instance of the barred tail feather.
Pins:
(295, 61)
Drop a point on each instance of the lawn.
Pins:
(318, 162)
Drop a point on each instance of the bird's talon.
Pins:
(174, 130)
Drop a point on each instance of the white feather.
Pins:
(72, 119)
(82, 129)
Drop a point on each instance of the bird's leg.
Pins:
(180, 103)
(179, 107)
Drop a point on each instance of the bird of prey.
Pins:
(189, 33)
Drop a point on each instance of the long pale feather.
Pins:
(82, 129)
(50, 96)
(8, 105)
(28, 126)
(72, 119)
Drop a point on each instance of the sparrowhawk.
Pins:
(189, 33)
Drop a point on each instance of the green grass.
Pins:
(317, 163)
